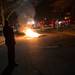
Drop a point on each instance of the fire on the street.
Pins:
(30, 33)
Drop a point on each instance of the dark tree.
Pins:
(55, 8)
(43, 9)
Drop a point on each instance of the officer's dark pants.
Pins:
(11, 54)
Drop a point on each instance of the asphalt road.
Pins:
(49, 54)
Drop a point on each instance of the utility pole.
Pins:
(2, 13)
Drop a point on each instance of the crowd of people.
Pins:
(54, 24)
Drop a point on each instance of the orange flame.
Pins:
(30, 33)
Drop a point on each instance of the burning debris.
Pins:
(31, 33)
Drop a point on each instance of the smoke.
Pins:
(24, 11)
